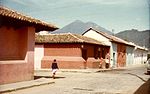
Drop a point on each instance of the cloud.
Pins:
(104, 2)
(138, 19)
(21, 2)
(126, 3)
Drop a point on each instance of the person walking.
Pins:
(54, 67)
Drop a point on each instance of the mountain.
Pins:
(79, 27)
(141, 38)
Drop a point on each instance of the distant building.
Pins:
(43, 32)
(72, 51)
(140, 55)
(17, 40)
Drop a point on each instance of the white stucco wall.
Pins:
(97, 36)
(140, 56)
(129, 55)
(137, 58)
(39, 53)
(145, 56)
(113, 55)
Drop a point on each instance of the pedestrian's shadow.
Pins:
(146, 73)
(144, 89)
(57, 77)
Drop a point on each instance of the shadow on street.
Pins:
(144, 89)
(37, 77)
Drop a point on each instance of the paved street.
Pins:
(124, 81)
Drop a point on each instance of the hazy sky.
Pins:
(110, 14)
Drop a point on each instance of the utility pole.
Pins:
(113, 31)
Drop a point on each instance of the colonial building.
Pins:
(72, 51)
(118, 47)
(17, 40)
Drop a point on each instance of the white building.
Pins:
(140, 55)
(122, 53)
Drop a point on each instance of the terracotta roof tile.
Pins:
(6, 12)
(111, 37)
(65, 38)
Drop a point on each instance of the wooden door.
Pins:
(121, 57)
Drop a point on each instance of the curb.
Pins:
(79, 71)
(24, 87)
(104, 70)
(74, 71)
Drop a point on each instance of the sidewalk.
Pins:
(44, 72)
(81, 70)
(25, 84)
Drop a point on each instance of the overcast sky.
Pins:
(111, 14)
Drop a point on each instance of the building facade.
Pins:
(17, 40)
(118, 47)
(72, 51)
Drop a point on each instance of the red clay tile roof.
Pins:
(110, 37)
(65, 38)
(8, 13)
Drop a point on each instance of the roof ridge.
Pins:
(112, 37)
(103, 33)
(107, 35)
(76, 37)
(23, 17)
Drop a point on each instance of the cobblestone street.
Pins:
(124, 81)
